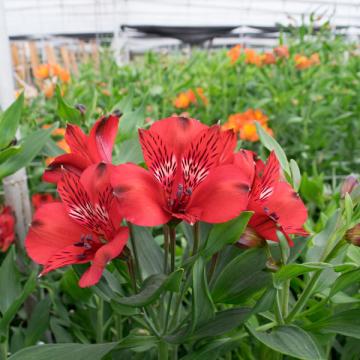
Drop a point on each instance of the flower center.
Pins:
(178, 202)
(89, 245)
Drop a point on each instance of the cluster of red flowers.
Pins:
(193, 174)
(251, 56)
(186, 98)
(7, 232)
(244, 124)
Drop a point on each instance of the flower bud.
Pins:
(352, 236)
(349, 184)
(81, 108)
(250, 239)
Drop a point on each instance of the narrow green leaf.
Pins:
(9, 121)
(291, 271)
(38, 322)
(345, 323)
(10, 286)
(64, 351)
(348, 208)
(345, 280)
(8, 152)
(290, 340)
(65, 111)
(138, 343)
(295, 174)
(226, 233)
(152, 288)
(241, 278)
(30, 147)
(203, 306)
(272, 145)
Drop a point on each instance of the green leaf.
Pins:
(226, 233)
(295, 174)
(149, 252)
(137, 343)
(69, 283)
(9, 121)
(65, 111)
(38, 322)
(291, 271)
(272, 145)
(152, 288)
(344, 281)
(10, 286)
(131, 121)
(30, 147)
(8, 152)
(223, 322)
(348, 208)
(290, 340)
(203, 306)
(241, 278)
(129, 151)
(64, 351)
(345, 323)
(17, 303)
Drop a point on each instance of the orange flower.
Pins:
(267, 58)
(49, 89)
(252, 57)
(61, 73)
(184, 99)
(59, 132)
(42, 71)
(282, 51)
(303, 62)
(234, 53)
(62, 144)
(244, 124)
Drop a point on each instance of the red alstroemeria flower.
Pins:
(191, 176)
(84, 228)
(85, 150)
(7, 231)
(40, 199)
(275, 204)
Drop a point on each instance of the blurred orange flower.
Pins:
(47, 71)
(282, 51)
(42, 71)
(186, 98)
(303, 62)
(252, 57)
(267, 58)
(48, 89)
(234, 53)
(244, 124)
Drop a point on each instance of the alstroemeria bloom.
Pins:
(275, 203)
(84, 227)
(85, 150)
(7, 230)
(190, 175)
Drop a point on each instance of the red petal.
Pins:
(102, 138)
(140, 196)
(93, 216)
(244, 159)
(290, 209)
(201, 156)
(74, 163)
(159, 158)
(77, 141)
(51, 231)
(228, 145)
(177, 131)
(106, 253)
(222, 196)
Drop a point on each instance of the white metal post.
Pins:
(15, 186)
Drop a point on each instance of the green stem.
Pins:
(100, 321)
(118, 326)
(3, 349)
(168, 312)
(166, 248)
(163, 349)
(133, 246)
(196, 238)
(212, 266)
(285, 298)
(130, 265)
(172, 247)
(278, 314)
(309, 288)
